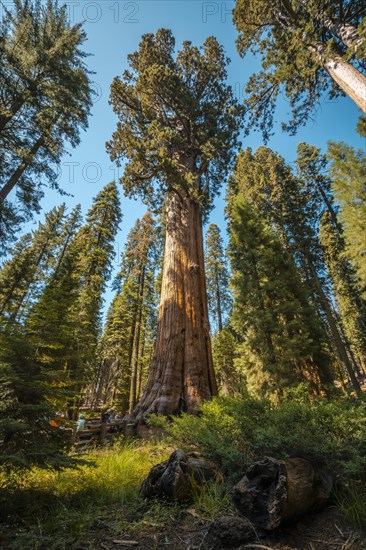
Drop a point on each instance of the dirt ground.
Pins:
(327, 530)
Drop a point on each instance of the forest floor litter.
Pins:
(327, 530)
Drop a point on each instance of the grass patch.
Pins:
(351, 501)
(213, 500)
(57, 509)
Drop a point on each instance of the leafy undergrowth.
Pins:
(98, 504)
(234, 432)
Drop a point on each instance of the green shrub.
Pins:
(236, 431)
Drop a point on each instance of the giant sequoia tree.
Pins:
(309, 49)
(178, 125)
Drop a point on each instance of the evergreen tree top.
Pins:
(43, 65)
(178, 120)
(294, 39)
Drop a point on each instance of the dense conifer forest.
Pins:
(218, 344)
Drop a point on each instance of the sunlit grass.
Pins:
(59, 508)
(212, 500)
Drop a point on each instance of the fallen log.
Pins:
(273, 491)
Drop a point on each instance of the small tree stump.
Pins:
(178, 477)
(274, 490)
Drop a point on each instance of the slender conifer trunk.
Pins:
(339, 345)
(140, 367)
(182, 373)
(17, 174)
(218, 302)
(136, 353)
(348, 78)
(13, 111)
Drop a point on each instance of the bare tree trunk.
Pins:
(126, 379)
(348, 34)
(339, 345)
(140, 367)
(218, 302)
(135, 362)
(348, 78)
(17, 174)
(182, 373)
(330, 208)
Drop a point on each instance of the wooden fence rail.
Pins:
(96, 431)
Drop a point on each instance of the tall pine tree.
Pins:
(129, 329)
(283, 199)
(28, 268)
(348, 171)
(282, 338)
(313, 169)
(95, 244)
(217, 275)
(45, 101)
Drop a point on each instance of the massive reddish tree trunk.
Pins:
(182, 373)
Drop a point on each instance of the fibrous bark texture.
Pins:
(182, 373)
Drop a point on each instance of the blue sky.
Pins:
(114, 29)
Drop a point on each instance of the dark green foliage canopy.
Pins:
(26, 392)
(48, 355)
(280, 332)
(294, 39)
(45, 101)
(28, 267)
(348, 170)
(293, 205)
(178, 121)
(95, 248)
